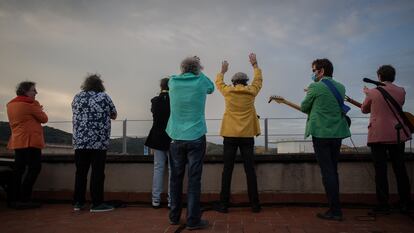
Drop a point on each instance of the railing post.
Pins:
(124, 137)
(266, 134)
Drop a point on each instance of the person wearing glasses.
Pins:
(327, 126)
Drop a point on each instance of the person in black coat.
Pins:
(159, 141)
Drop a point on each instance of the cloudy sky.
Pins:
(133, 44)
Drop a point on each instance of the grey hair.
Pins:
(239, 76)
(191, 65)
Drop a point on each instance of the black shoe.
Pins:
(220, 207)
(174, 222)
(256, 208)
(329, 216)
(201, 225)
(380, 210)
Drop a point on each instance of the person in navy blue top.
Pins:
(92, 111)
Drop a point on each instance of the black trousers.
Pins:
(246, 146)
(380, 153)
(26, 170)
(327, 151)
(85, 158)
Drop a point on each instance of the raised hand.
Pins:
(224, 67)
(365, 90)
(252, 59)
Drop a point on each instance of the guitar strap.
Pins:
(337, 95)
(389, 99)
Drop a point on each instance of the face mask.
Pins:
(313, 77)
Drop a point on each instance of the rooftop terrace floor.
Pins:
(140, 218)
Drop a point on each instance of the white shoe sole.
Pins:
(98, 211)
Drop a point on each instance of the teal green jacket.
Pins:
(187, 103)
(325, 119)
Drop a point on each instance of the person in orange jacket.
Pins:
(25, 118)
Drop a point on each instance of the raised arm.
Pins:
(366, 105)
(257, 80)
(221, 86)
(307, 103)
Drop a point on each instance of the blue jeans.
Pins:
(160, 159)
(181, 153)
(327, 151)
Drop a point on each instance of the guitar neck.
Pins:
(293, 105)
(354, 102)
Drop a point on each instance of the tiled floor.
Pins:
(60, 218)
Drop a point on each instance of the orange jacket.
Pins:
(25, 120)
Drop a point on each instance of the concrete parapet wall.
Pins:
(131, 178)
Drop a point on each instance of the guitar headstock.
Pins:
(278, 99)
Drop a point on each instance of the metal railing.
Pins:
(274, 130)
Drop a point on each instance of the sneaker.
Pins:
(78, 206)
(330, 216)
(201, 225)
(220, 207)
(101, 208)
(156, 204)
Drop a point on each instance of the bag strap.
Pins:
(337, 95)
(389, 99)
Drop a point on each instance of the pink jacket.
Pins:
(382, 121)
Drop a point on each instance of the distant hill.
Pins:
(134, 145)
(52, 135)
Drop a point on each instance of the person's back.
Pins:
(239, 126)
(92, 120)
(187, 129)
(187, 100)
(92, 111)
(387, 134)
(159, 142)
(325, 118)
(382, 119)
(240, 117)
(328, 126)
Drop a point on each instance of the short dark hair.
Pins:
(93, 82)
(324, 64)
(24, 87)
(386, 73)
(164, 84)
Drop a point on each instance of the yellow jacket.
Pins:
(240, 118)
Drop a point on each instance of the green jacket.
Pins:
(325, 119)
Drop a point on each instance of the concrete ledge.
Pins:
(265, 198)
(268, 158)
(287, 178)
